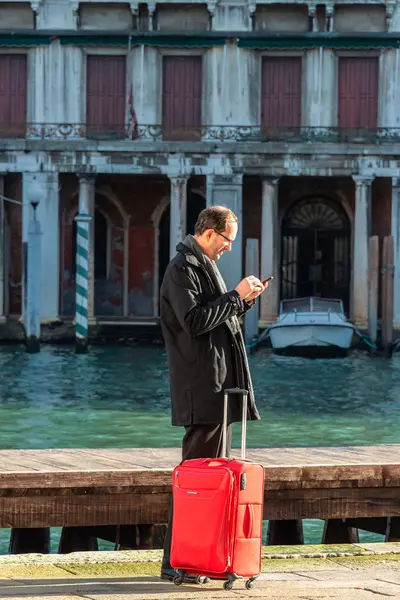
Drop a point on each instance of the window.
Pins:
(182, 95)
(106, 97)
(13, 84)
(358, 92)
(281, 94)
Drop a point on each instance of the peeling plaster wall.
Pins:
(141, 271)
(16, 16)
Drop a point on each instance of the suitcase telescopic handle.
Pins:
(244, 394)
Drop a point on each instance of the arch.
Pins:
(316, 212)
(338, 198)
(104, 190)
(200, 192)
(159, 210)
(316, 249)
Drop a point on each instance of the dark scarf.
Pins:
(239, 349)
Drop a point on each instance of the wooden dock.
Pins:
(103, 492)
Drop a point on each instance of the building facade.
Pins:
(142, 114)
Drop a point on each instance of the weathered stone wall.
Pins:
(182, 18)
(16, 16)
(351, 19)
(285, 19)
(105, 17)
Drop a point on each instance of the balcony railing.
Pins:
(209, 133)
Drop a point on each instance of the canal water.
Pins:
(119, 397)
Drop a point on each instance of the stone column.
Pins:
(47, 214)
(3, 274)
(361, 233)
(86, 207)
(389, 88)
(396, 240)
(320, 102)
(177, 227)
(227, 191)
(269, 300)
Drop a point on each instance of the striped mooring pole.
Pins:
(82, 283)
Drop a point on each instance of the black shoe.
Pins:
(170, 574)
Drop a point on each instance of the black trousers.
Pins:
(200, 441)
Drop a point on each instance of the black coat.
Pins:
(199, 343)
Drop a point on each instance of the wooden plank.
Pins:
(87, 460)
(105, 509)
(275, 478)
(33, 459)
(324, 477)
(89, 480)
(115, 461)
(73, 511)
(143, 457)
(83, 461)
(76, 459)
(331, 503)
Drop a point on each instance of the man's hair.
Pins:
(214, 217)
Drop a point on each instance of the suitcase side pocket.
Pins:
(247, 549)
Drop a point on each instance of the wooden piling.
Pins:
(373, 289)
(338, 531)
(32, 540)
(387, 294)
(283, 533)
(77, 539)
(392, 533)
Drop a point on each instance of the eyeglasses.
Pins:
(224, 236)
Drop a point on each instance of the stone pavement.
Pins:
(352, 572)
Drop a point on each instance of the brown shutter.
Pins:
(358, 92)
(13, 84)
(106, 96)
(281, 93)
(182, 94)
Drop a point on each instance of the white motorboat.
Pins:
(311, 325)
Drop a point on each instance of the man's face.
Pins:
(221, 242)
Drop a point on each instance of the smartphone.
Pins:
(267, 280)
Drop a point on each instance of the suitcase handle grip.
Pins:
(251, 520)
(244, 394)
(214, 462)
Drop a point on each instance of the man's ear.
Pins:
(208, 234)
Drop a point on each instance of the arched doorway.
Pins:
(316, 251)
(108, 259)
(195, 204)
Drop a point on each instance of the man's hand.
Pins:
(250, 287)
(255, 294)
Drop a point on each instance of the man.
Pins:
(205, 348)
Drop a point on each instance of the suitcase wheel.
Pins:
(178, 580)
(228, 585)
(202, 579)
(249, 584)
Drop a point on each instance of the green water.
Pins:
(119, 397)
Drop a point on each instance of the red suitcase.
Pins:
(218, 512)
